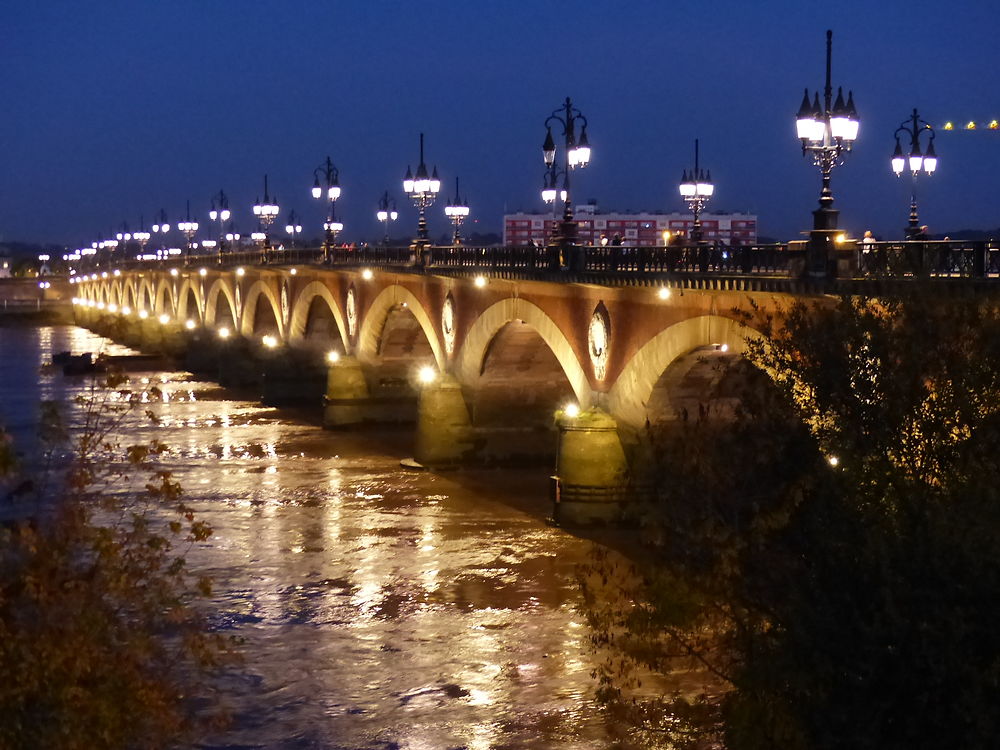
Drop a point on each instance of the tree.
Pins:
(101, 644)
(830, 554)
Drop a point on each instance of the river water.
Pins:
(381, 608)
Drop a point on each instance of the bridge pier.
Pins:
(150, 335)
(237, 366)
(349, 400)
(288, 377)
(444, 428)
(591, 481)
(201, 353)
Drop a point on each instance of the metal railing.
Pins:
(881, 260)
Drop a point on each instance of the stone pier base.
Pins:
(591, 480)
(444, 429)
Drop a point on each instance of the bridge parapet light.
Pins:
(143, 314)
(571, 410)
(164, 319)
(576, 155)
(917, 159)
(326, 186)
(240, 271)
(333, 357)
(223, 333)
(386, 212)
(190, 324)
(480, 281)
(269, 341)
(126, 310)
(427, 375)
(696, 188)
(457, 211)
(423, 191)
(826, 130)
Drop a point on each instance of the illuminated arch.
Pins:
(378, 313)
(145, 294)
(115, 291)
(631, 391)
(469, 361)
(219, 287)
(257, 289)
(130, 297)
(180, 304)
(299, 317)
(164, 292)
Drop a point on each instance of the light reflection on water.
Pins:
(381, 608)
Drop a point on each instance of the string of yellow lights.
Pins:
(972, 125)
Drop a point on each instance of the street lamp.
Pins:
(696, 189)
(161, 227)
(188, 228)
(142, 236)
(330, 190)
(576, 154)
(827, 131)
(422, 191)
(266, 212)
(220, 212)
(457, 211)
(122, 238)
(386, 213)
(233, 239)
(293, 228)
(914, 127)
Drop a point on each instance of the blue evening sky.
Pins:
(118, 108)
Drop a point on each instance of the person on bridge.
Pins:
(866, 260)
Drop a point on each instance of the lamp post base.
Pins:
(821, 260)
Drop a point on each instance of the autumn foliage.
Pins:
(101, 642)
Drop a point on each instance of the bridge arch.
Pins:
(164, 301)
(190, 293)
(377, 315)
(250, 321)
(145, 294)
(130, 296)
(298, 325)
(470, 359)
(631, 392)
(220, 287)
(115, 292)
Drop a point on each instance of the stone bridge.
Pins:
(489, 369)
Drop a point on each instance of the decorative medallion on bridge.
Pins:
(448, 323)
(284, 303)
(598, 340)
(352, 313)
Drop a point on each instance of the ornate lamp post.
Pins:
(575, 154)
(386, 213)
(330, 190)
(188, 229)
(696, 189)
(914, 127)
(828, 132)
(122, 238)
(293, 228)
(220, 212)
(142, 236)
(266, 212)
(457, 211)
(233, 238)
(161, 227)
(422, 191)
